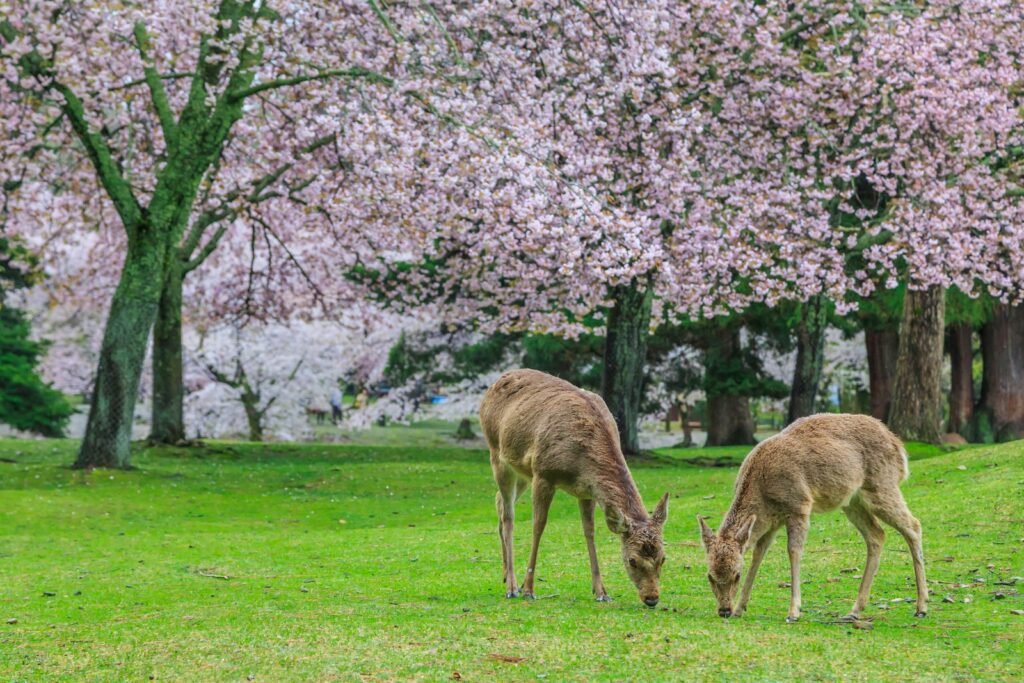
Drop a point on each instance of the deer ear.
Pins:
(617, 522)
(706, 534)
(743, 533)
(660, 514)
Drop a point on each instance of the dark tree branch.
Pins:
(156, 87)
(106, 168)
(208, 248)
(235, 96)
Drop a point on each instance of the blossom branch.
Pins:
(156, 87)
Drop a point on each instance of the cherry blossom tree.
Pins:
(664, 191)
(713, 154)
(258, 379)
(560, 167)
(172, 121)
(926, 99)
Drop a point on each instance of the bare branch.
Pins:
(256, 195)
(318, 294)
(211, 244)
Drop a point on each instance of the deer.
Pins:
(817, 464)
(546, 434)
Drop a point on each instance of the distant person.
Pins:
(417, 395)
(336, 398)
(361, 399)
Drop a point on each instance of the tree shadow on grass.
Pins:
(315, 452)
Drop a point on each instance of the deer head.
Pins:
(724, 553)
(643, 549)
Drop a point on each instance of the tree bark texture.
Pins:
(107, 440)
(916, 413)
(624, 354)
(961, 390)
(730, 422)
(882, 349)
(810, 357)
(999, 415)
(168, 421)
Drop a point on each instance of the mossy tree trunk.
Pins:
(194, 143)
(916, 413)
(999, 415)
(729, 419)
(810, 357)
(882, 348)
(168, 421)
(122, 352)
(625, 350)
(961, 391)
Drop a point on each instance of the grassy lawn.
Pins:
(312, 562)
(422, 433)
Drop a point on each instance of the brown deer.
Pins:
(547, 434)
(817, 464)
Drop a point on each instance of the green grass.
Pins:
(432, 433)
(374, 563)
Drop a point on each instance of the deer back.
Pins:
(544, 425)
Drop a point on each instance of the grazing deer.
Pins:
(547, 432)
(817, 464)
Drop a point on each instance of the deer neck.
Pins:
(742, 509)
(613, 487)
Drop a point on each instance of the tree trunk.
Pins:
(168, 421)
(464, 432)
(729, 420)
(961, 391)
(916, 413)
(254, 416)
(999, 415)
(882, 348)
(684, 422)
(810, 356)
(108, 432)
(625, 348)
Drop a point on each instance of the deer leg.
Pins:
(893, 510)
(796, 535)
(587, 516)
(760, 548)
(874, 537)
(543, 492)
(505, 503)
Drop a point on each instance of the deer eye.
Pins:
(711, 579)
(632, 563)
(737, 577)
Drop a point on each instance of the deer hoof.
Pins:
(792, 620)
(603, 598)
(512, 594)
(528, 595)
(920, 613)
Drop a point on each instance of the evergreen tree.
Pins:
(26, 401)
